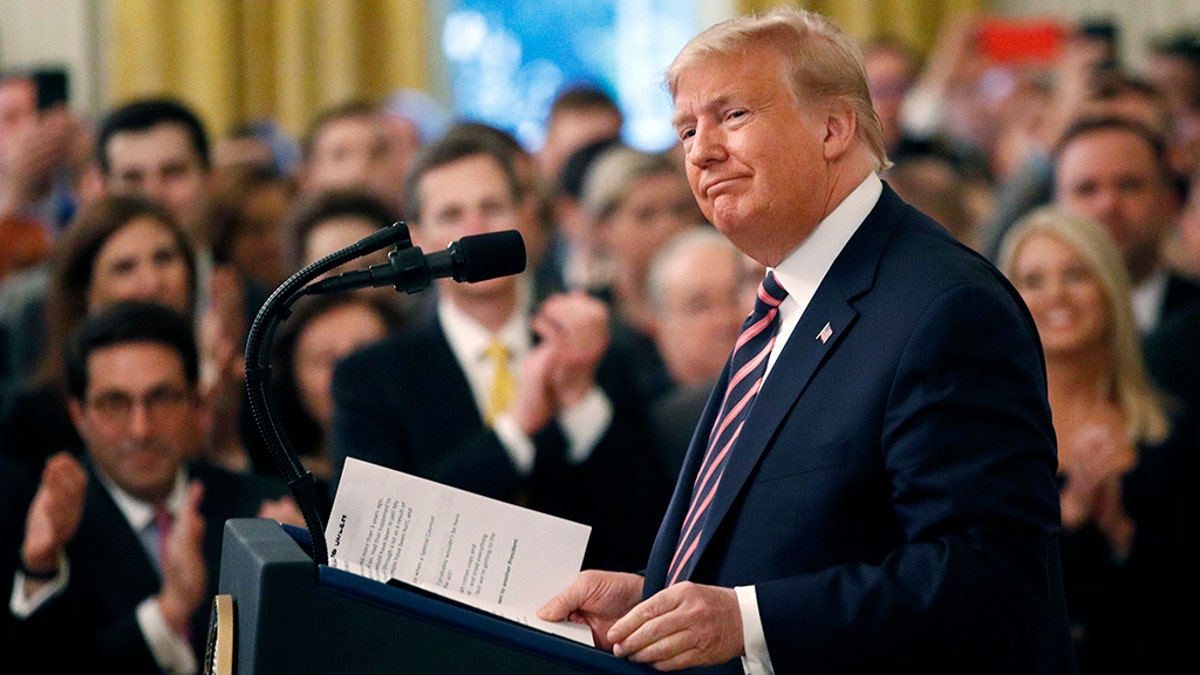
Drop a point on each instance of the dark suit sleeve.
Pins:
(968, 451)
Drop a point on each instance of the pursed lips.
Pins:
(708, 187)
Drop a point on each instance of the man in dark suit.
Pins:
(884, 500)
(492, 396)
(120, 552)
(1117, 172)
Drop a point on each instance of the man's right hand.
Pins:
(183, 573)
(54, 514)
(597, 599)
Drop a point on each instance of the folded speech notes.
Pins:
(498, 557)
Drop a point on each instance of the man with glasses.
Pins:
(121, 550)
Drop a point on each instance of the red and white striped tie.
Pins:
(748, 366)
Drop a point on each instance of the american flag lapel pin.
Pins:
(826, 333)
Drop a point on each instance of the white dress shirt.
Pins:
(583, 425)
(800, 273)
(1147, 298)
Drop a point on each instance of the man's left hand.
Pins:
(682, 626)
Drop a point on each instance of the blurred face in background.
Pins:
(468, 196)
(358, 152)
(890, 72)
(334, 234)
(1063, 294)
(257, 248)
(18, 106)
(137, 417)
(327, 339)
(141, 261)
(701, 311)
(657, 208)
(161, 164)
(1112, 176)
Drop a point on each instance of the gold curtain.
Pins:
(915, 22)
(239, 60)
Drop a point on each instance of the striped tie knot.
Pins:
(747, 367)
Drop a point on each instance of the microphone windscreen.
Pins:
(491, 255)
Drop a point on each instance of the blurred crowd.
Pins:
(573, 388)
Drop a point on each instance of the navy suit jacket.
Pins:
(892, 495)
(405, 403)
(92, 624)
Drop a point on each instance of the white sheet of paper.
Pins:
(498, 557)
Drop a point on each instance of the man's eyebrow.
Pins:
(708, 106)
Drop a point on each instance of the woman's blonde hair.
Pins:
(1141, 404)
(823, 60)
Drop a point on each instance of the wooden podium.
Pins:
(292, 616)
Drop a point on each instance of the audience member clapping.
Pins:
(1114, 432)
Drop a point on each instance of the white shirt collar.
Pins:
(469, 339)
(140, 514)
(802, 271)
(1148, 299)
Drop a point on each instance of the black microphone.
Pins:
(475, 258)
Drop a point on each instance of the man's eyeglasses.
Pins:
(116, 408)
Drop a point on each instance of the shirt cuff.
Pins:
(23, 607)
(170, 651)
(585, 424)
(517, 444)
(754, 640)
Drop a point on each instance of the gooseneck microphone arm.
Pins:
(470, 259)
(258, 374)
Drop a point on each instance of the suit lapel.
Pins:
(437, 373)
(829, 316)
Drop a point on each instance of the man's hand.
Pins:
(597, 599)
(575, 326)
(682, 626)
(54, 514)
(28, 160)
(533, 406)
(183, 573)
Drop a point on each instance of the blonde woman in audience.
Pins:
(636, 202)
(1112, 428)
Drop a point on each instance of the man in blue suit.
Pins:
(882, 498)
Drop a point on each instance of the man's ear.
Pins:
(75, 408)
(841, 128)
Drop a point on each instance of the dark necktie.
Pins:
(748, 364)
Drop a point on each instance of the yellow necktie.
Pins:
(503, 389)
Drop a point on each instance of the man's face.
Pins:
(1111, 176)
(754, 155)
(889, 75)
(701, 314)
(465, 197)
(162, 164)
(354, 153)
(137, 417)
(18, 106)
(570, 130)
